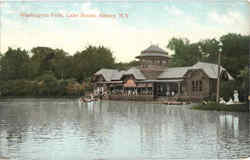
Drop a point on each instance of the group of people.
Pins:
(139, 92)
(169, 94)
(99, 91)
(131, 92)
(91, 98)
(235, 101)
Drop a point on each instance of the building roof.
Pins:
(178, 72)
(153, 55)
(211, 69)
(169, 80)
(170, 73)
(117, 75)
(153, 51)
(107, 73)
(114, 75)
(135, 72)
(175, 72)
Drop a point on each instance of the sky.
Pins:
(126, 27)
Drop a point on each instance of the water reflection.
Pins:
(233, 135)
(63, 129)
(229, 124)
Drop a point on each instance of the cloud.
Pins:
(233, 21)
(9, 9)
(228, 18)
(173, 11)
(87, 8)
(6, 8)
(125, 40)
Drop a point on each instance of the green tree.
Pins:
(209, 49)
(61, 64)
(42, 56)
(244, 83)
(73, 88)
(185, 53)
(235, 52)
(54, 60)
(47, 84)
(125, 66)
(90, 60)
(15, 64)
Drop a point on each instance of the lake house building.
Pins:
(153, 79)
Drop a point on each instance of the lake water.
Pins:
(61, 129)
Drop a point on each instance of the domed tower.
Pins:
(153, 59)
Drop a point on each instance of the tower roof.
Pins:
(153, 51)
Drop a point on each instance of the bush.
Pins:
(227, 89)
(45, 86)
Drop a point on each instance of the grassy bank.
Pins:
(222, 107)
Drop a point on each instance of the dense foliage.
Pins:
(53, 72)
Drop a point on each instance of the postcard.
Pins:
(124, 79)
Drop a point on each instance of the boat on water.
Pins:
(87, 99)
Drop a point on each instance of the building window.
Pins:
(193, 86)
(196, 85)
(200, 85)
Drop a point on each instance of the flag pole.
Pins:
(218, 74)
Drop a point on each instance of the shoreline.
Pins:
(39, 97)
(242, 107)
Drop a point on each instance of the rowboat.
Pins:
(87, 100)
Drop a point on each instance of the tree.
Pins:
(90, 60)
(61, 64)
(125, 66)
(47, 84)
(209, 49)
(43, 56)
(73, 88)
(244, 83)
(15, 64)
(185, 54)
(235, 49)
(54, 60)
